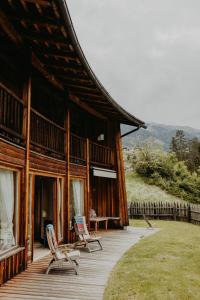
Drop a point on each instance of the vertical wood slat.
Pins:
(78, 153)
(102, 155)
(11, 114)
(46, 134)
(11, 266)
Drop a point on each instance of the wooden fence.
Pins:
(165, 211)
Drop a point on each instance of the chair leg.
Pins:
(49, 266)
(76, 262)
(96, 249)
(73, 263)
(101, 248)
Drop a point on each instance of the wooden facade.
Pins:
(57, 124)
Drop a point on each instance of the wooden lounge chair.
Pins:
(61, 254)
(85, 238)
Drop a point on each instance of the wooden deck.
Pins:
(63, 284)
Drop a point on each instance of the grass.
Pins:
(164, 266)
(139, 191)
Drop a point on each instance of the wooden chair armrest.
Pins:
(93, 233)
(66, 247)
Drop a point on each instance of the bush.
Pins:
(164, 170)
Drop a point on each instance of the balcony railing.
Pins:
(11, 115)
(46, 135)
(77, 149)
(101, 155)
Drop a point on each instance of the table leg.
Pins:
(106, 224)
(95, 226)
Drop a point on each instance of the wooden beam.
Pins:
(84, 90)
(49, 38)
(55, 53)
(39, 66)
(76, 82)
(74, 79)
(69, 73)
(40, 21)
(84, 106)
(40, 2)
(89, 206)
(27, 101)
(9, 29)
(67, 202)
(80, 93)
(61, 65)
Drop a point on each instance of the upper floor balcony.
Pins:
(11, 115)
(46, 136)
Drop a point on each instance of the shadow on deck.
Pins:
(64, 284)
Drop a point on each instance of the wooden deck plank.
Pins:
(64, 284)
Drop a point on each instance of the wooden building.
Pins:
(60, 140)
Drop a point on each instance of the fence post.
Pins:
(189, 213)
(174, 211)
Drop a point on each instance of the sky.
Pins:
(146, 53)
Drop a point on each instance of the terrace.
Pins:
(63, 284)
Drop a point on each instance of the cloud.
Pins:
(145, 53)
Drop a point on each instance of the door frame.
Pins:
(31, 206)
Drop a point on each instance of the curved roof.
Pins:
(47, 28)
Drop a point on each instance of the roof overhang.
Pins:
(46, 28)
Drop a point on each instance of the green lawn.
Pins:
(138, 190)
(164, 266)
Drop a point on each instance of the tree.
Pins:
(180, 145)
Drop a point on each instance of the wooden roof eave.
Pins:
(128, 118)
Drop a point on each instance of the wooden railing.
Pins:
(46, 134)
(77, 149)
(165, 211)
(11, 114)
(101, 155)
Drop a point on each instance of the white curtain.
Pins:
(78, 195)
(7, 239)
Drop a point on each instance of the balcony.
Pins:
(99, 155)
(46, 136)
(11, 115)
(78, 152)
(102, 156)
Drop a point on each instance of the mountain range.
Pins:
(158, 135)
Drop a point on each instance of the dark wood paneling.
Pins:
(44, 163)
(104, 196)
(78, 170)
(11, 154)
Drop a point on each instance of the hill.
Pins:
(139, 191)
(159, 135)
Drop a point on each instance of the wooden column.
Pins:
(88, 178)
(26, 133)
(121, 179)
(67, 185)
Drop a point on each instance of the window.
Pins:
(76, 198)
(60, 208)
(8, 209)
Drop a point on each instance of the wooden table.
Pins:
(97, 220)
